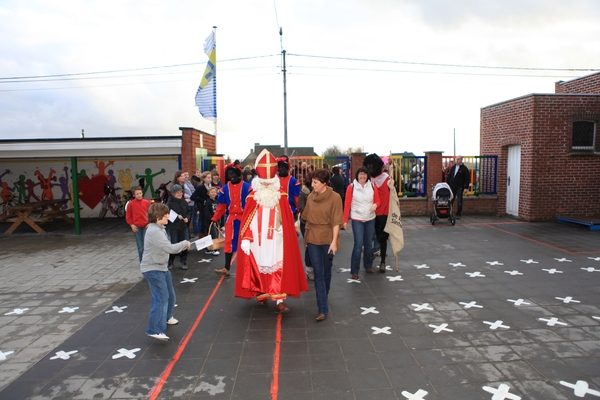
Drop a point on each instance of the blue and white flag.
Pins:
(206, 96)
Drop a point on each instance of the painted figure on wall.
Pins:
(148, 178)
(29, 188)
(125, 179)
(45, 183)
(7, 195)
(112, 179)
(20, 188)
(63, 183)
(101, 165)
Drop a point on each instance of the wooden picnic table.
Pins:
(39, 211)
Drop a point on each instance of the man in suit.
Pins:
(459, 180)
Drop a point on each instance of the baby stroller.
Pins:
(442, 203)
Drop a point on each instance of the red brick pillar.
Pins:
(356, 161)
(434, 170)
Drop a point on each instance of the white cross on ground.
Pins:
(126, 353)
(567, 299)
(63, 355)
(518, 302)
(350, 280)
(439, 328)
(552, 271)
(435, 276)
(424, 306)
(501, 393)
(418, 395)
(116, 309)
(513, 273)
(344, 269)
(530, 261)
(205, 260)
(471, 304)
(562, 260)
(495, 325)
(367, 310)
(475, 274)
(494, 263)
(581, 388)
(594, 258)
(17, 311)
(68, 310)
(4, 354)
(591, 269)
(552, 321)
(595, 317)
(394, 278)
(388, 268)
(421, 266)
(458, 264)
(385, 329)
(189, 280)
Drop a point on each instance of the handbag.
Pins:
(219, 242)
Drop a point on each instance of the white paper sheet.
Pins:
(173, 216)
(203, 242)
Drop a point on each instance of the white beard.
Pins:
(266, 191)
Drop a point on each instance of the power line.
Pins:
(443, 65)
(132, 69)
(429, 72)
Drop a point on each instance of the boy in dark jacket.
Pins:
(178, 229)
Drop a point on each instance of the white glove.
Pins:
(245, 246)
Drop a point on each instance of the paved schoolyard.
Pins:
(489, 308)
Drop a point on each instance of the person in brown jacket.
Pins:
(324, 217)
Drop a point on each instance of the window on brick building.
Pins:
(584, 135)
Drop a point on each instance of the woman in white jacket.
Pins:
(361, 202)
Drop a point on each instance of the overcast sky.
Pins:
(413, 102)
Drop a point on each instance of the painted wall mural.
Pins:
(26, 181)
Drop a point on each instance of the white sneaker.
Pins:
(159, 336)
(172, 321)
(215, 252)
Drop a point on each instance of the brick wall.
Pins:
(553, 180)
(192, 139)
(588, 84)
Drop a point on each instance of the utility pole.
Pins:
(454, 142)
(285, 140)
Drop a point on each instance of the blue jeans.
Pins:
(322, 269)
(196, 219)
(139, 241)
(163, 300)
(177, 235)
(363, 236)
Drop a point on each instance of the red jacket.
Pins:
(137, 211)
(381, 183)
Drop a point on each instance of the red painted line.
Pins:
(155, 391)
(542, 243)
(276, 357)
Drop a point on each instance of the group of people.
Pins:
(260, 218)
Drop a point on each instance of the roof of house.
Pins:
(277, 151)
(90, 147)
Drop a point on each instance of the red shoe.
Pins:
(355, 277)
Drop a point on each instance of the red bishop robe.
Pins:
(290, 280)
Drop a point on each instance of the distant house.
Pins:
(548, 148)
(277, 151)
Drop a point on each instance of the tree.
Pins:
(333, 151)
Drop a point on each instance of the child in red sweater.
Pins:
(136, 216)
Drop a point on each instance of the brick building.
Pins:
(548, 148)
